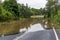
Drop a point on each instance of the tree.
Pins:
(25, 11)
(49, 6)
(52, 11)
(12, 7)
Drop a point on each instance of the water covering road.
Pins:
(35, 32)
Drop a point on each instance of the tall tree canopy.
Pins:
(12, 7)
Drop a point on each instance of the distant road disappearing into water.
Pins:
(35, 32)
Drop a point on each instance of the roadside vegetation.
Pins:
(13, 27)
(14, 16)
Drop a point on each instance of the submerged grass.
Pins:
(13, 27)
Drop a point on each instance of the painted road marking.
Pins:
(20, 36)
(55, 34)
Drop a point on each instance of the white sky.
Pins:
(34, 3)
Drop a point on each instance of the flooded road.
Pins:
(34, 32)
(33, 28)
(37, 32)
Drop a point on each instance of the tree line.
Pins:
(11, 10)
(53, 11)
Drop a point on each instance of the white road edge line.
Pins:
(55, 34)
(20, 36)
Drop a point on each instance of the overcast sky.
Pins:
(34, 3)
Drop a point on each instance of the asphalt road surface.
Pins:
(58, 32)
(37, 35)
(11, 37)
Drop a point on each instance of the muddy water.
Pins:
(33, 28)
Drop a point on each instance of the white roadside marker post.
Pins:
(55, 34)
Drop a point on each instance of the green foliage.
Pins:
(53, 11)
(25, 11)
(12, 7)
(51, 8)
(11, 10)
(5, 15)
